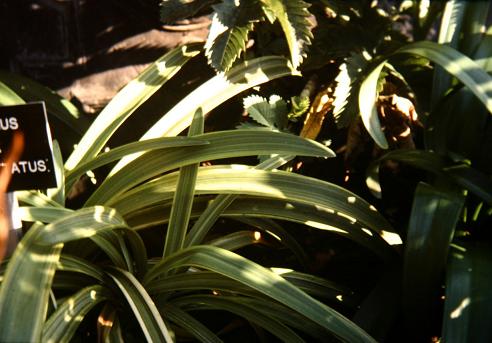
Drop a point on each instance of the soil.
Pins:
(88, 49)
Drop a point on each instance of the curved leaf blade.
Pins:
(222, 144)
(23, 309)
(263, 280)
(63, 323)
(213, 93)
(127, 101)
(142, 306)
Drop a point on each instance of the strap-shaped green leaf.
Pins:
(263, 280)
(280, 185)
(142, 306)
(222, 144)
(468, 304)
(214, 92)
(251, 313)
(433, 219)
(58, 193)
(190, 324)
(213, 211)
(127, 101)
(183, 196)
(63, 323)
(25, 288)
(8, 96)
(130, 148)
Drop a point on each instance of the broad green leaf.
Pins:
(127, 101)
(293, 18)
(142, 306)
(222, 144)
(231, 23)
(277, 184)
(183, 197)
(30, 90)
(130, 148)
(190, 324)
(201, 302)
(272, 285)
(8, 96)
(284, 315)
(468, 304)
(433, 219)
(25, 288)
(214, 92)
(62, 324)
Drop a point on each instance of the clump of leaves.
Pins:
(233, 20)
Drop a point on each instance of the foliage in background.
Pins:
(374, 63)
(234, 20)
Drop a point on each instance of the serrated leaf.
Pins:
(293, 18)
(271, 113)
(299, 106)
(231, 24)
(345, 94)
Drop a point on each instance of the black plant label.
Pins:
(35, 168)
